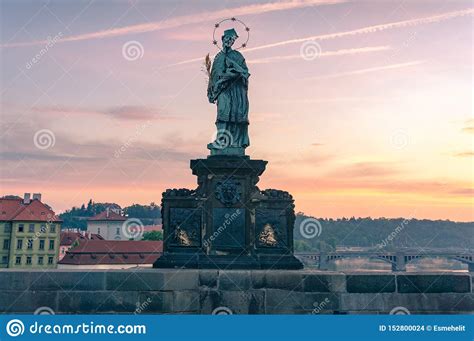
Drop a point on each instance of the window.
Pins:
(30, 244)
(43, 228)
(19, 244)
(50, 260)
(40, 260)
(21, 228)
(31, 228)
(4, 259)
(98, 230)
(51, 244)
(18, 260)
(8, 228)
(53, 228)
(28, 260)
(41, 244)
(117, 231)
(6, 244)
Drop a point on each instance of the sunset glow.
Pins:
(378, 122)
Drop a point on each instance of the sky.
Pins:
(362, 108)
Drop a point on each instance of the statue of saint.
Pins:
(228, 86)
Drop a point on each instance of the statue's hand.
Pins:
(234, 72)
(211, 98)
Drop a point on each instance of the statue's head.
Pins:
(229, 37)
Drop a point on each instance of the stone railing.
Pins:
(156, 291)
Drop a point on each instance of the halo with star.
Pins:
(233, 19)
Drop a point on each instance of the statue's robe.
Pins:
(230, 94)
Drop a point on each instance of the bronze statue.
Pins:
(228, 86)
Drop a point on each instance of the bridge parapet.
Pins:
(175, 291)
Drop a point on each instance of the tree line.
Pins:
(76, 217)
(381, 233)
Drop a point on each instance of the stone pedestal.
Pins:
(227, 222)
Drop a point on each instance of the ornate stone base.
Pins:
(227, 222)
(229, 262)
(228, 151)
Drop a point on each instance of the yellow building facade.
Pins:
(29, 234)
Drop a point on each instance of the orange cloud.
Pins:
(464, 154)
(366, 169)
(127, 112)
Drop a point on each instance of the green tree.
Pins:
(153, 235)
(302, 246)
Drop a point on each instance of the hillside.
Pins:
(386, 233)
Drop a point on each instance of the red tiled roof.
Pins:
(95, 252)
(10, 207)
(119, 246)
(148, 228)
(16, 210)
(112, 216)
(69, 237)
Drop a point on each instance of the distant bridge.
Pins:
(398, 259)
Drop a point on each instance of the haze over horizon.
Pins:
(377, 123)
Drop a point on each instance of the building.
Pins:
(112, 254)
(29, 233)
(71, 238)
(150, 228)
(108, 224)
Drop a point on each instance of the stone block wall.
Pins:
(170, 291)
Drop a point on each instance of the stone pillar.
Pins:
(323, 261)
(399, 264)
(228, 222)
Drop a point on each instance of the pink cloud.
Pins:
(341, 52)
(363, 30)
(188, 20)
(372, 29)
(370, 70)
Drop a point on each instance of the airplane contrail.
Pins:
(370, 70)
(363, 30)
(187, 20)
(341, 52)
